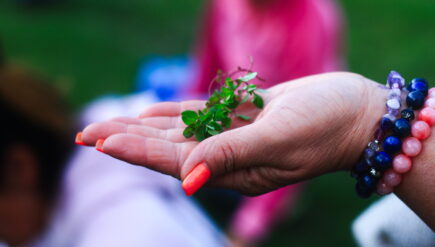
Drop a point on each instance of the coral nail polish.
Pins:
(79, 139)
(196, 179)
(99, 145)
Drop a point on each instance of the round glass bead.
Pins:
(390, 116)
(363, 191)
(428, 115)
(392, 178)
(368, 181)
(369, 153)
(383, 189)
(392, 144)
(386, 123)
(374, 173)
(374, 145)
(415, 100)
(408, 114)
(402, 163)
(411, 146)
(361, 167)
(382, 161)
(419, 80)
(419, 86)
(401, 127)
(420, 130)
(430, 103)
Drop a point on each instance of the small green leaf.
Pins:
(261, 90)
(189, 117)
(248, 77)
(258, 101)
(200, 133)
(245, 99)
(251, 88)
(226, 122)
(189, 131)
(230, 83)
(243, 117)
(213, 132)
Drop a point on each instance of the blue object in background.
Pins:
(167, 77)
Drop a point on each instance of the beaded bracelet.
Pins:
(411, 147)
(377, 160)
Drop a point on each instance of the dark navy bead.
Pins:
(415, 100)
(368, 181)
(419, 80)
(419, 86)
(402, 128)
(386, 123)
(361, 167)
(363, 191)
(408, 114)
(392, 145)
(382, 161)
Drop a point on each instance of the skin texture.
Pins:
(308, 127)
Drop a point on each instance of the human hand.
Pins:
(308, 127)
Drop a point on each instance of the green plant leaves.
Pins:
(247, 77)
(243, 117)
(258, 101)
(216, 117)
(189, 117)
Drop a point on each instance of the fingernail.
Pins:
(99, 145)
(196, 179)
(79, 139)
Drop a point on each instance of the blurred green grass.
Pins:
(94, 47)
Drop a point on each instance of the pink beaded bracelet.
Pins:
(411, 147)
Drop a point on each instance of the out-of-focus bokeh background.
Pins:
(95, 47)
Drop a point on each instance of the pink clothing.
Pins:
(287, 39)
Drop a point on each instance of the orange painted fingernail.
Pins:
(196, 179)
(99, 145)
(79, 139)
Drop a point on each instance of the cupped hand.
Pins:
(308, 127)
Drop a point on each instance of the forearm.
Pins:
(417, 189)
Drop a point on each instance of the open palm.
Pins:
(308, 127)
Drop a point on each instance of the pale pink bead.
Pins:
(431, 90)
(392, 178)
(383, 189)
(420, 130)
(431, 94)
(411, 146)
(427, 115)
(430, 103)
(402, 163)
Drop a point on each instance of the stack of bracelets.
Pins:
(398, 138)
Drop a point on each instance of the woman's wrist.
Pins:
(367, 120)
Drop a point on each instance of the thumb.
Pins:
(221, 154)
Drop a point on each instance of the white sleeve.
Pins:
(137, 221)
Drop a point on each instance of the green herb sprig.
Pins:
(220, 107)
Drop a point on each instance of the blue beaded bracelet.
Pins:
(378, 155)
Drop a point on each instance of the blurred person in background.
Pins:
(287, 40)
(54, 196)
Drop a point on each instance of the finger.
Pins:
(230, 151)
(105, 129)
(172, 109)
(159, 155)
(163, 122)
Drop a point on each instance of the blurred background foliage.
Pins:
(95, 47)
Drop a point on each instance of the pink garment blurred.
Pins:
(287, 39)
